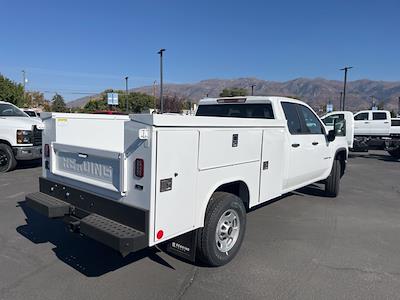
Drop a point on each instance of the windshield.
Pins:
(8, 110)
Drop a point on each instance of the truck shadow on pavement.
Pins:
(87, 256)
(382, 157)
(29, 164)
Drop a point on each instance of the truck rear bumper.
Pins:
(121, 227)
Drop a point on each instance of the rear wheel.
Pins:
(394, 153)
(7, 159)
(224, 227)
(332, 184)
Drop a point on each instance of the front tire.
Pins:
(222, 235)
(7, 159)
(332, 184)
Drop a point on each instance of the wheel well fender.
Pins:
(5, 142)
(341, 155)
(238, 188)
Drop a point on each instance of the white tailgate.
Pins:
(105, 169)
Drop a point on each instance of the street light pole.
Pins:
(252, 89)
(24, 78)
(345, 69)
(126, 93)
(161, 79)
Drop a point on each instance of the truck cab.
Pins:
(20, 136)
(372, 123)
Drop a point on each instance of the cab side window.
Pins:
(292, 117)
(378, 116)
(311, 123)
(361, 117)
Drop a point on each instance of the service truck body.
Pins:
(133, 182)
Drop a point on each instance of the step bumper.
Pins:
(118, 226)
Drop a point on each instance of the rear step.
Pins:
(120, 237)
(47, 205)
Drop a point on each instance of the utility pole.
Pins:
(24, 80)
(345, 69)
(154, 88)
(340, 100)
(252, 89)
(161, 79)
(126, 93)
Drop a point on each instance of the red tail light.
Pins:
(139, 167)
(46, 150)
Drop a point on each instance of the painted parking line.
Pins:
(3, 184)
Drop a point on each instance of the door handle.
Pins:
(315, 143)
(386, 122)
(366, 122)
(295, 145)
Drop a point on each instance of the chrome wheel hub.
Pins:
(227, 232)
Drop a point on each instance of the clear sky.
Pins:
(86, 46)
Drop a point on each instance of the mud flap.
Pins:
(184, 246)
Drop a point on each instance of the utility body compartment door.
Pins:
(176, 178)
(271, 167)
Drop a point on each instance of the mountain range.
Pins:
(316, 92)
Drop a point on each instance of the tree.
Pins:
(233, 92)
(173, 104)
(11, 91)
(95, 105)
(137, 102)
(34, 99)
(58, 104)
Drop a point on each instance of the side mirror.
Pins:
(331, 135)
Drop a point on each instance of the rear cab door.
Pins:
(380, 123)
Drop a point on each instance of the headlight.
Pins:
(24, 136)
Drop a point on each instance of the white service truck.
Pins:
(376, 129)
(20, 137)
(184, 181)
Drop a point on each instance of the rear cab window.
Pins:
(240, 110)
(379, 116)
(292, 117)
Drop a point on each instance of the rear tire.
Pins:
(332, 184)
(394, 153)
(7, 159)
(224, 227)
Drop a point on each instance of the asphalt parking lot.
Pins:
(303, 246)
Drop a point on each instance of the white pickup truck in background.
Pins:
(20, 137)
(139, 181)
(376, 129)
